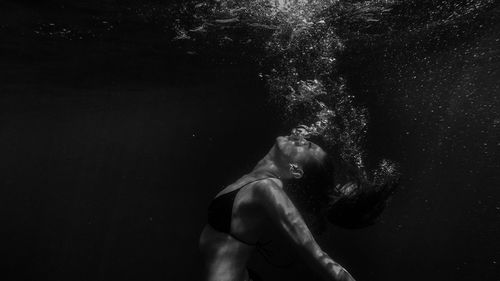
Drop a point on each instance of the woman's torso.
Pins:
(226, 254)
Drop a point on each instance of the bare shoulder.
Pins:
(270, 191)
(268, 185)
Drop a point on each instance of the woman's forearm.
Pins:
(288, 219)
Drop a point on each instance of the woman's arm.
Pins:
(284, 214)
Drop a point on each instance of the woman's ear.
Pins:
(296, 171)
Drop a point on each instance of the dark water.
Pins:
(112, 148)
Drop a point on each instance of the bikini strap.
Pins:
(255, 180)
(243, 241)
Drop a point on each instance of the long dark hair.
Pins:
(341, 193)
(358, 199)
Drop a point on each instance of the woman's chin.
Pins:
(280, 141)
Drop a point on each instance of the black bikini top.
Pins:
(220, 211)
(220, 214)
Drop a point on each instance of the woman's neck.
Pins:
(269, 165)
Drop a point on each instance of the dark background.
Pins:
(113, 141)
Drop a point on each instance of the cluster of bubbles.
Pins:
(304, 78)
(57, 31)
(301, 42)
(300, 48)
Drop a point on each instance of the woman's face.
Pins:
(295, 148)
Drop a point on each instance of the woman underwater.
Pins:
(241, 214)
